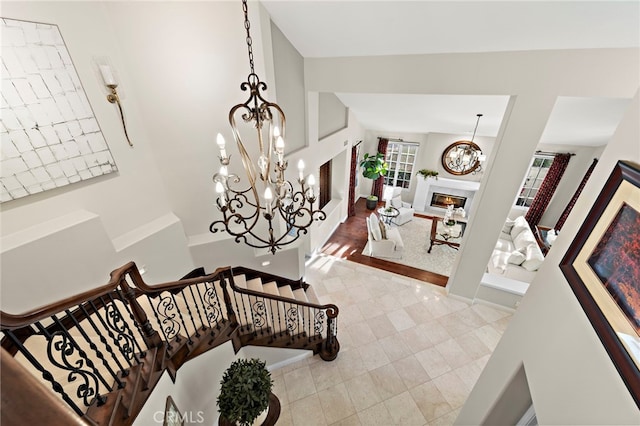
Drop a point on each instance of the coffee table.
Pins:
(442, 234)
(388, 215)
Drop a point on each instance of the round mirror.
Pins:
(461, 158)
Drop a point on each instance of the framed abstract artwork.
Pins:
(602, 266)
(49, 134)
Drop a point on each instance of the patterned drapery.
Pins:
(351, 208)
(378, 184)
(567, 209)
(546, 190)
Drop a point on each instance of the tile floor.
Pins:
(409, 354)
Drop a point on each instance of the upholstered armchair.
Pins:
(392, 196)
(383, 241)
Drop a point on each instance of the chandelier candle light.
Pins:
(254, 214)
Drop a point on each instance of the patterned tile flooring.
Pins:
(409, 354)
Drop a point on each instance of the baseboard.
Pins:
(288, 361)
(493, 305)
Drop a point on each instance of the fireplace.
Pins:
(444, 200)
(453, 188)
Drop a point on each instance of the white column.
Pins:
(525, 119)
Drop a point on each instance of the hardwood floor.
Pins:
(350, 238)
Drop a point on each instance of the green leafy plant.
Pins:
(246, 386)
(426, 173)
(374, 166)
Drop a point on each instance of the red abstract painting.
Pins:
(616, 262)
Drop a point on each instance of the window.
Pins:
(401, 157)
(536, 174)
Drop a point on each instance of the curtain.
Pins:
(546, 190)
(351, 207)
(567, 209)
(378, 184)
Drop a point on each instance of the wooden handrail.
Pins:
(14, 321)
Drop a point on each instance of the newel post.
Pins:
(151, 336)
(227, 298)
(331, 346)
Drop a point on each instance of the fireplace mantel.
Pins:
(426, 188)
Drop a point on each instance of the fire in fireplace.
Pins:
(444, 200)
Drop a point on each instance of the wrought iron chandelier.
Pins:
(253, 215)
(464, 157)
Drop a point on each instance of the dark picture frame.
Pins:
(602, 266)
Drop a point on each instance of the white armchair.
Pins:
(383, 241)
(392, 196)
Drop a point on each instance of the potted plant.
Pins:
(373, 167)
(244, 395)
(426, 173)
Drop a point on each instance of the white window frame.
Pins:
(527, 185)
(394, 165)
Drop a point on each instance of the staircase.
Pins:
(102, 352)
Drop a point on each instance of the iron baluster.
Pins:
(114, 318)
(169, 324)
(104, 341)
(46, 374)
(213, 310)
(125, 302)
(155, 313)
(195, 304)
(244, 310)
(66, 347)
(175, 304)
(93, 347)
(258, 313)
(87, 361)
(115, 339)
(125, 325)
(280, 327)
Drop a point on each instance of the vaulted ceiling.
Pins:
(371, 28)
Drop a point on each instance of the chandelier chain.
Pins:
(247, 26)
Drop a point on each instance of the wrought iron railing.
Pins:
(92, 347)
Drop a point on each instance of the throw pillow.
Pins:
(520, 224)
(383, 230)
(516, 258)
(396, 202)
(534, 258)
(508, 224)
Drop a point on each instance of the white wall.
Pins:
(68, 240)
(572, 379)
(333, 115)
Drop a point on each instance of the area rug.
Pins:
(415, 237)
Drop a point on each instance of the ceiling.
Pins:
(370, 28)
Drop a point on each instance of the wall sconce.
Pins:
(112, 97)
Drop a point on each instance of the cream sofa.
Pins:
(383, 241)
(517, 255)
